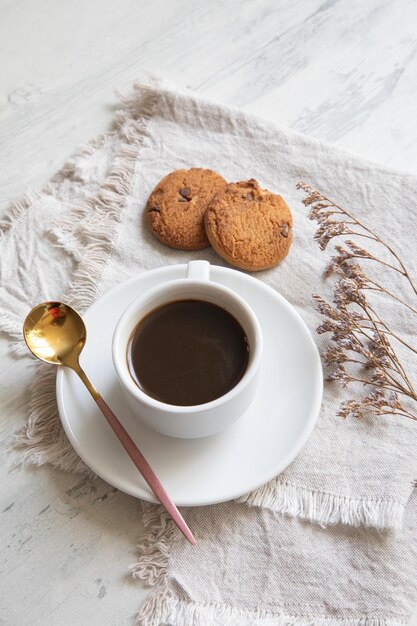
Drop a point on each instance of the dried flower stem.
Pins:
(379, 287)
(397, 385)
(341, 211)
(374, 258)
(396, 360)
(393, 357)
(407, 414)
(378, 239)
(360, 339)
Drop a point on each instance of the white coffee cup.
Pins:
(203, 419)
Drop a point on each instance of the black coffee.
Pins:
(188, 352)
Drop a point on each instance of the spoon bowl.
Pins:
(55, 333)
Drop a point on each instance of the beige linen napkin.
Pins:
(85, 233)
(253, 567)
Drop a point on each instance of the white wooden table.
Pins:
(343, 71)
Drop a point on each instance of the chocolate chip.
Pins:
(154, 209)
(185, 192)
(250, 196)
(285, 229)
(182, 200)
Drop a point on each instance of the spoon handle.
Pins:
(137, 458)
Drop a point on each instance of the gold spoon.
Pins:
(55, 333)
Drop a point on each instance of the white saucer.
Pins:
(217, 468)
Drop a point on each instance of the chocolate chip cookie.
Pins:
(175, 208)
(249, 227)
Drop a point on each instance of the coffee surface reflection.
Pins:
(188, 352)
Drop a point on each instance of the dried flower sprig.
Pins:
(361, 349)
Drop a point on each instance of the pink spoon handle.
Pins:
(144, 468)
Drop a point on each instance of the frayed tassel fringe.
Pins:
(43, 439)
(164, 610)
(152, 565)
(326, 509)
(105, 210)
(155, 548)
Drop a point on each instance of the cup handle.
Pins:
(198, 270)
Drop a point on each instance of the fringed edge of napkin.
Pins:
(104, 210)
(326, 509)
(161, 607)
(43, 440)
(12, 214)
